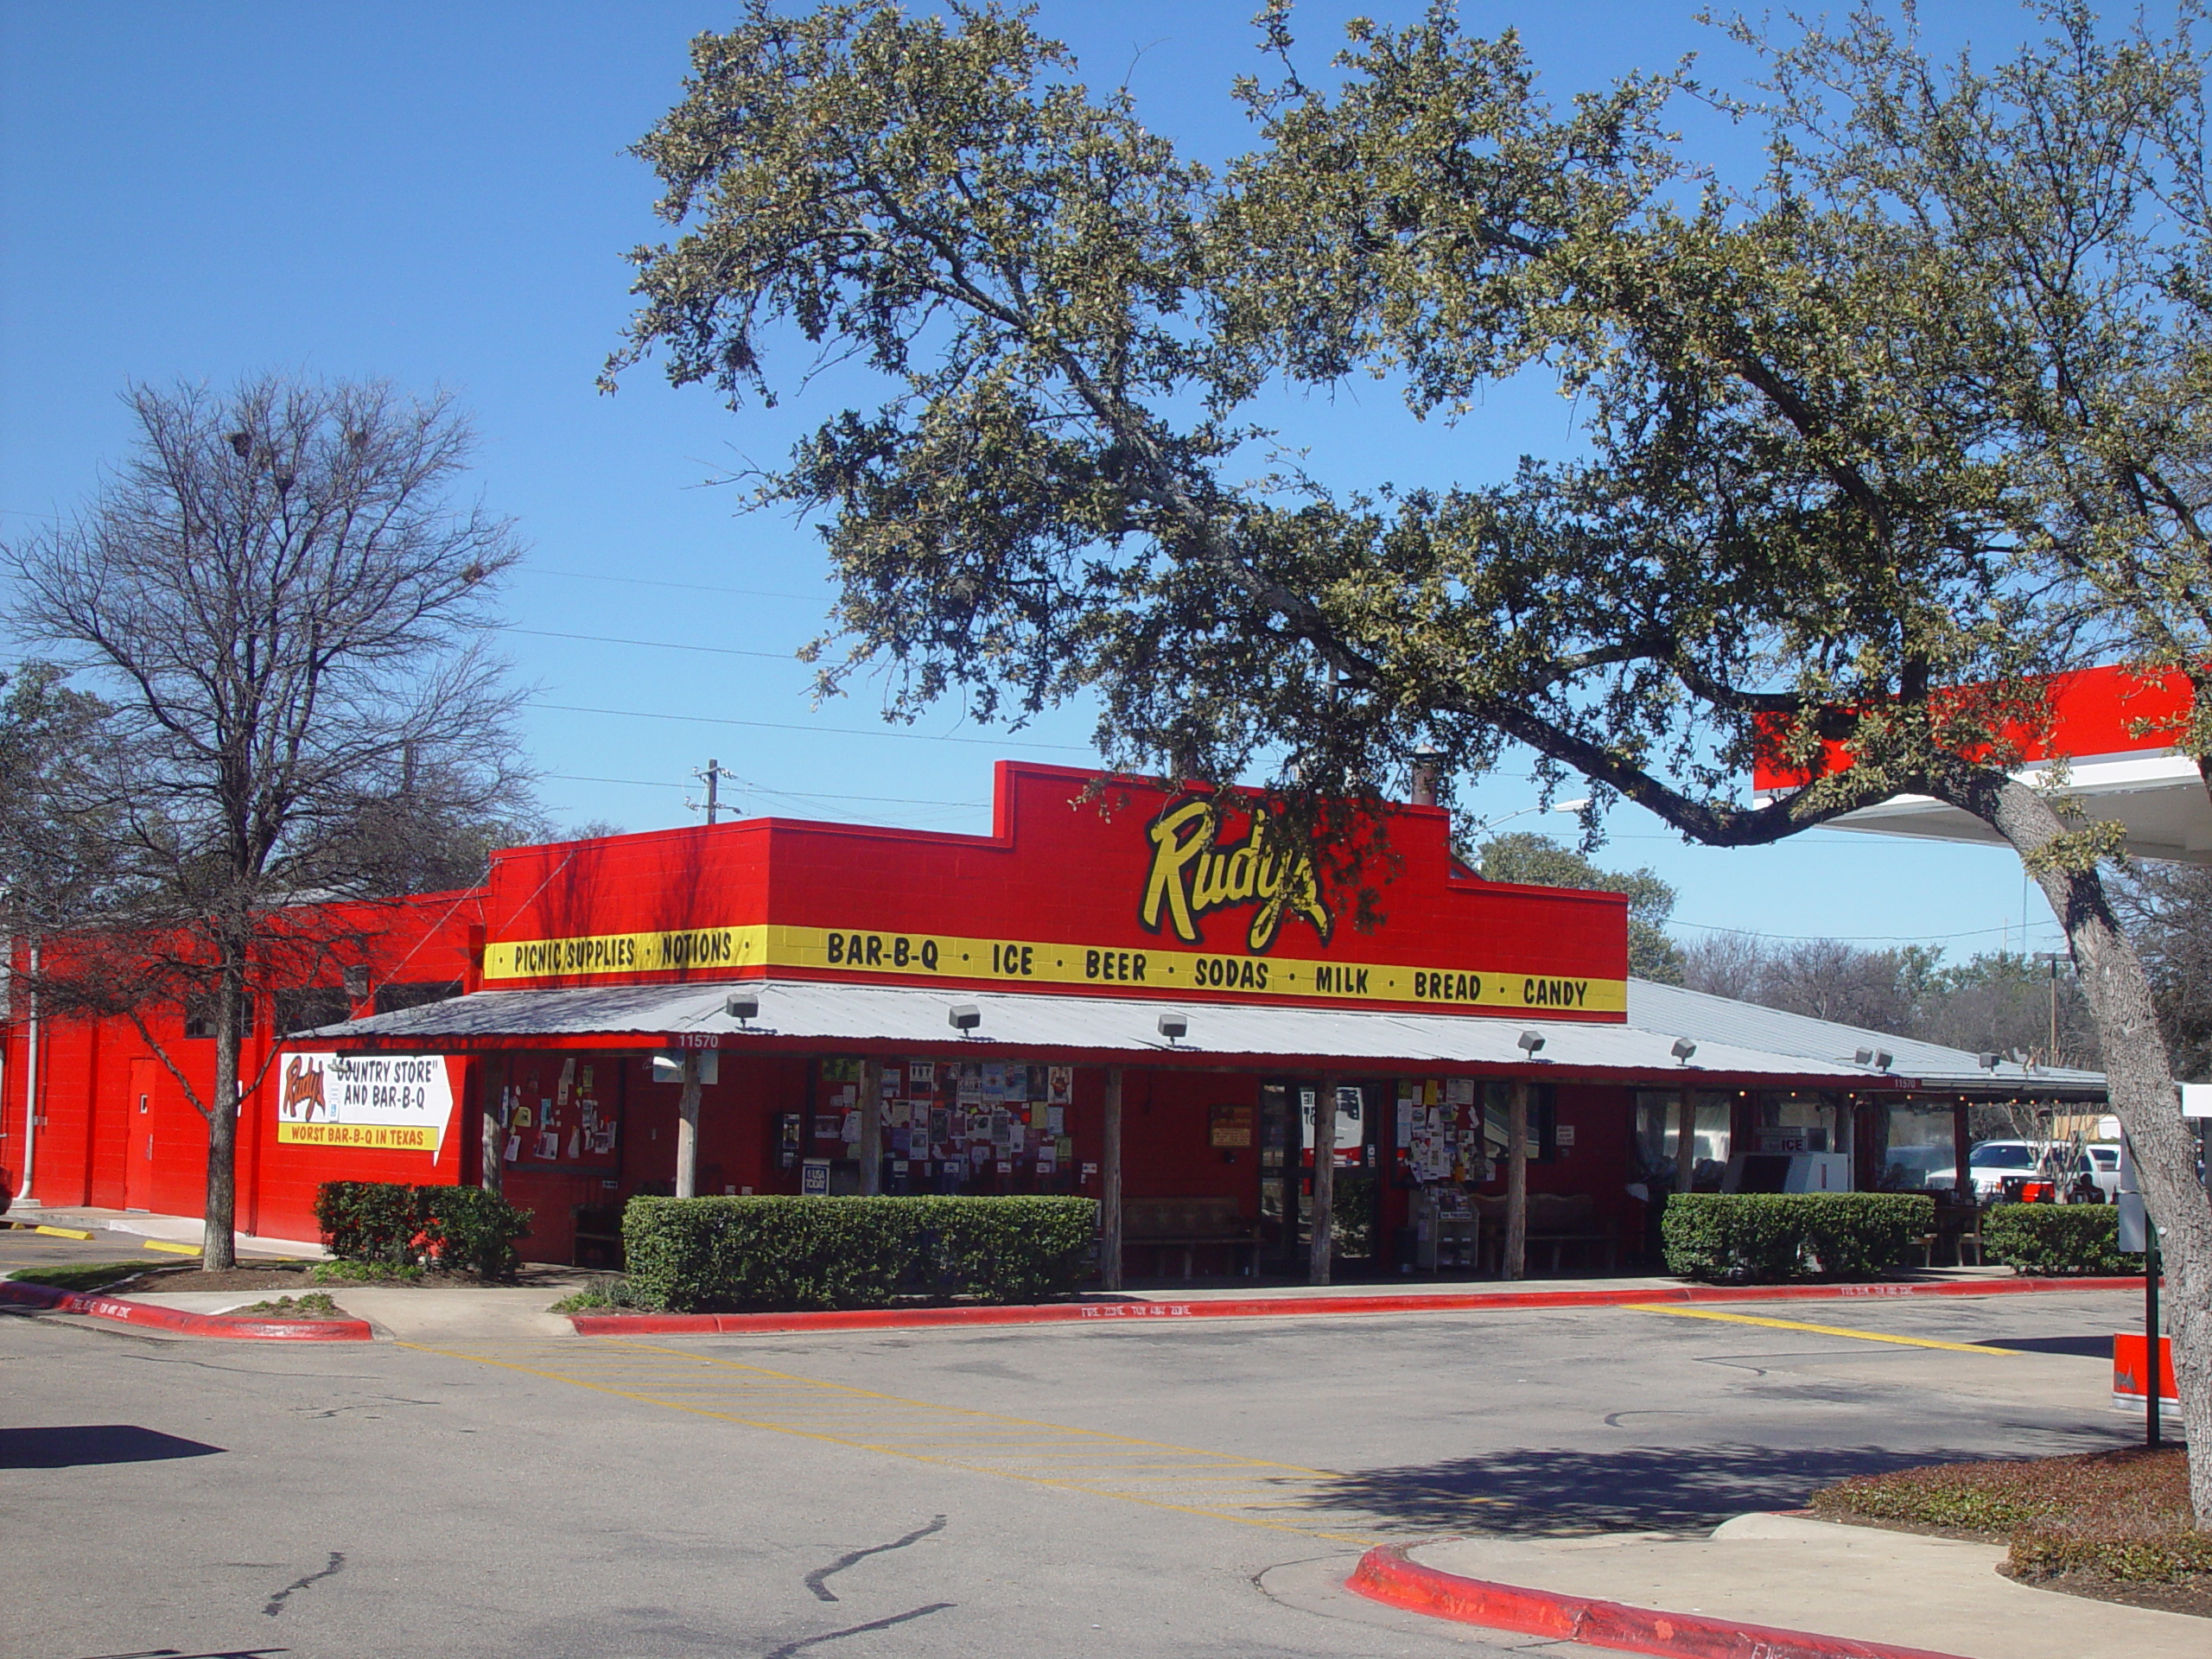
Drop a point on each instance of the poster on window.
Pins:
(392, 1102)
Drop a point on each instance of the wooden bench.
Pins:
(1557, 1219)
(1190, 1225)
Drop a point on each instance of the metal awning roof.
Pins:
(802, 1015)
(1705, 1018)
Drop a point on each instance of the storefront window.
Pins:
(1658, 1135)
(1799, 1123)
(1917, 1150)
(949, 1126)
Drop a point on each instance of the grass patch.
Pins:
(2121, 1517)
(79, 1275)
(315, 1305)
(601, 1293)
(365, 1273)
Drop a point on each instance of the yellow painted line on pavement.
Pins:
(1821, 1330)
(954, 1437)
(173, 1249)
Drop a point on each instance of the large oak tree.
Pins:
(1914, 410)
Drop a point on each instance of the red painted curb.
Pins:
(898, 1319)
(184, 1324)
(1386, 1575)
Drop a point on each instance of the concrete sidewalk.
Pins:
(171, 1229)
(1787, 1573)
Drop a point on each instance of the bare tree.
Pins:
(287, 611)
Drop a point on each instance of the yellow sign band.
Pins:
(390, 1137)
(923, 958)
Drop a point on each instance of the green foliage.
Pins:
(2116, 1514)
(599, 1293)
(368, 1221)
(386, 1223)
(2053, 1241)
(698, 1254)
(315, 1305)
(1770, 1238)
(363, 1273)
(1005, 1249)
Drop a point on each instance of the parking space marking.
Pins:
(1821, 1330)
(1254, 1492)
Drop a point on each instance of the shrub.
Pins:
(699, 1255)
(1005, 1249)
(470, 1230)
(1767, 1238)
(368, 1221)
(2056, 1240)
(461, 1228)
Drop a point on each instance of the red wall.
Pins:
(1058, 872)
(92, 1123)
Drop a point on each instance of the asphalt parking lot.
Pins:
(1091, 1489)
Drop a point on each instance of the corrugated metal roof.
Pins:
(917, 1018)
(1705, 1018)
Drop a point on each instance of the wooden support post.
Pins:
(1684, 1141)
(871, 1145)
(492, 1087)
(1962, 1150)
(686, 1128)
(1517, 1179)
(1324, 1209)
(1110, 1200)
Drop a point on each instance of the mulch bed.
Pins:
(2113, 1526)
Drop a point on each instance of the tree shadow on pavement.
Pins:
(1538, 1489)
(75, 1444)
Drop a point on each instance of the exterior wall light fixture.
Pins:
(1683, 1049)
(742, 1006)
(963, 1017)
(1173, 1025)
(1531, 1042)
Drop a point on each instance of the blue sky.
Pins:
(437, 193)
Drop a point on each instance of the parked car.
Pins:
(1992, 1161)
(2104, 1166)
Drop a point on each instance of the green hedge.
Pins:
(1770, 1238)
(459, 1228)
(702, 1254)
(2056, 1240)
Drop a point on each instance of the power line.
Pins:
(663, 783)
(687, 587)
(1857, 938)
(785, 726)
(656, 644)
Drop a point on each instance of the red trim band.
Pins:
(1387, 1575)
(184, 1324)
(1256, 1307)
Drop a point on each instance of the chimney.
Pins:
(1427, 768)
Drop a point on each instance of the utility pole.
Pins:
(2053, 957)
(712, 777)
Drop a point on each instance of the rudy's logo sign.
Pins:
(1194, 874)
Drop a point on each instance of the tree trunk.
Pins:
(492, 1090)
(219, 1234)
(1110, 1200)
(1324, 1208)
(686, 1128)
(1514, 1264)
(2140, 1087)
(871, 1145)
